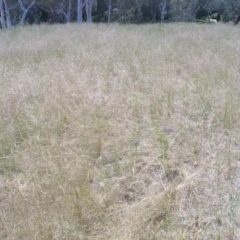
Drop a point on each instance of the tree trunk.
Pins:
(89, 8)
(109, 10)
(79, 11)
(23, 16)
(25, 10)
(80, 7)
(154, 11)
(164, 4)
(237, 20)
(7, 14)
(192, 9)
(68, 20)
(3, 24)
(87, 12)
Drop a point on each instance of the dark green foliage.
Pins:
(123, 11)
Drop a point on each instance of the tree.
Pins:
(109, 10)
(68, 15)
(186, 10)
(154, 10)
(7, 14)
(5, 17)
(130, 10)
(89, 9)
(80, 7)
(3, 24)
(237, 20)
(25, 10)
(235, 7)
(127, 11)
(65, 8)
(164, 4)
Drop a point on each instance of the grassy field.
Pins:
(120, 132)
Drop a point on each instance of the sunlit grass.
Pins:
(120, 132)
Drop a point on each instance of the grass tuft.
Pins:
(120, 132)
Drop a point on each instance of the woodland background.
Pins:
(14, 12)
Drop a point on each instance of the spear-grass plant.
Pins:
(120, 132)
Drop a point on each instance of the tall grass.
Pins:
(120, 132)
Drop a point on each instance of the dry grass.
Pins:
(120, 132)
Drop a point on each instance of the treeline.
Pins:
(13, 12)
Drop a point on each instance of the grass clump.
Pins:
(119, 132)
